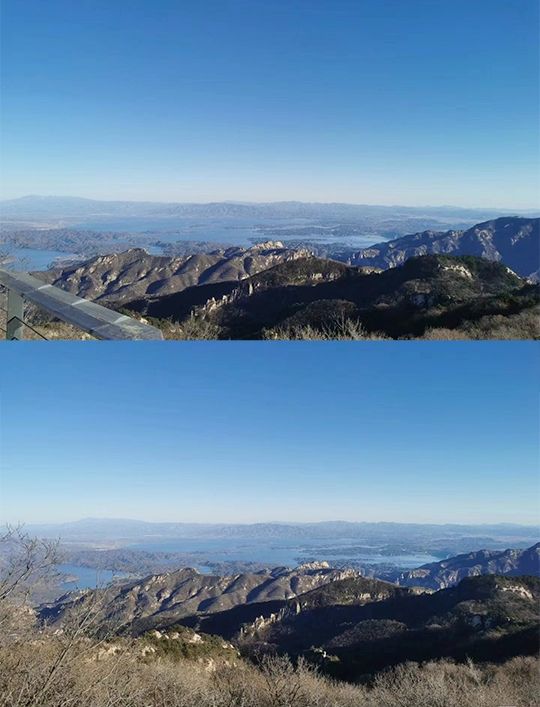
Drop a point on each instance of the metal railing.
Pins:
(93, 318)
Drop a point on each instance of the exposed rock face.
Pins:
(440, 575)
(514, 241)
(349, 591)
(121, 277)
(397, 624)
(251, 621)
(163, 599)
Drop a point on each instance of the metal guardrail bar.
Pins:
(93, 318)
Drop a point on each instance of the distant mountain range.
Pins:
(37, 207)
(512, 241)
(430, 535)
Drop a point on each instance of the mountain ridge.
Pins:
(166, 598)
(484, 618)
(59, 201)
(441, 575)
(400, 301)
(512, 240)
(120, 277)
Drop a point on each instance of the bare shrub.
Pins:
(447, 684)
(25, 560)
(524, 325)
(195, 328)
(118, 674)
(337, 329)
(26, 565)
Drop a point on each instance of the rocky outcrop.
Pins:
(350, 590)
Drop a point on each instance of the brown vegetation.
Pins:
(524, 325)
(56, 673)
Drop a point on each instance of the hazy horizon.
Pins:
(479, 207)
(206, 523)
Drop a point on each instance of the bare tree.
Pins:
(26, 563)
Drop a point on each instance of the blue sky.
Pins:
(244, 432)
(367, 101)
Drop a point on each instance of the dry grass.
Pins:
(118, 674)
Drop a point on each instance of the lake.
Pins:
(31, 258)
(242, 232)
(234, 231)
(288, 552)
(85, 577)
(280, 552)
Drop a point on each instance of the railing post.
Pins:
(15, 313)
(97, 320)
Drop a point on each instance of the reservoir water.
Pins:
(171, 230)
(78, 577)
(31, 258)
(281, 552)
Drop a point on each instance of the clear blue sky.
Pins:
(367, 101)
(248, 432)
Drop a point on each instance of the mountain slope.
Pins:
(120, 277)
(511, 240)
(248, 619)
(164, 599)
(439, 575)
(403, 301)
